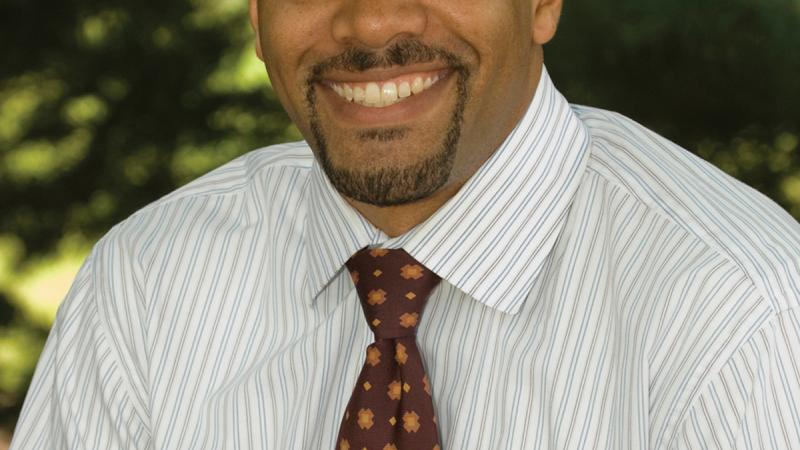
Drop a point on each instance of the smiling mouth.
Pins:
(385, 93)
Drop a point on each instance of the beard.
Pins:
(390, 186)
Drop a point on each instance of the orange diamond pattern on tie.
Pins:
(391, 406)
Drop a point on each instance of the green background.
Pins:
(107, 105)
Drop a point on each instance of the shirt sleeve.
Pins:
(88, 390)
(752, 403)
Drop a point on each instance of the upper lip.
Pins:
(338, 76)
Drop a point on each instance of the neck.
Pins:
(396, 220)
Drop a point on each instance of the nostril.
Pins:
(376, 23)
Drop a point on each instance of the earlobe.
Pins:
(253, 13)
(258, 47)
(546, 14)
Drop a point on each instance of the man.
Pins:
(591, 284)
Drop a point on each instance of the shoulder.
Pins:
(726, 264)
(239, 174)
(741, 224)
(214, 209)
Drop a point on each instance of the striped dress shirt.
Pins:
(602, 288)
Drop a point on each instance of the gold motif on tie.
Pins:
(365, 417)
(411, 271)
(377, 297)
(409, 320)
(400, 354)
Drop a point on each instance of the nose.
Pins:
(376, 23)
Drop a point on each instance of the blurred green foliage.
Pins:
(720, 77)
(107, 105)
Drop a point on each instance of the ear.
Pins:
(254, 25)
(545, 20)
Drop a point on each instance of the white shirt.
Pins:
(602, 288)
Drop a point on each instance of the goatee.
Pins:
(390, 186)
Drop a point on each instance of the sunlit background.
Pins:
(107, 105)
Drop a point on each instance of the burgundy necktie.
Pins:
(391, 406)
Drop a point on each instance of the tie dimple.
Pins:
(391, 407)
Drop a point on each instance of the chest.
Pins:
(553, 376)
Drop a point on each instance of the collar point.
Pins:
(507, 304)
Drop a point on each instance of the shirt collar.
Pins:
(491, 239)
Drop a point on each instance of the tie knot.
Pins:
(393, 288)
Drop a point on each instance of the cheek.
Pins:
(282, 52)
(294, 33)
(497, 30)
(295, 29)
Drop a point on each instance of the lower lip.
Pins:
(404, 112)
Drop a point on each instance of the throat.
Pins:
(397, 220)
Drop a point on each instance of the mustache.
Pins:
(401, 53)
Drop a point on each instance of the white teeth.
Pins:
(389, 93)
(417, 86)
(404, 90)
(373, 93)
(380, 95)
(359, 95)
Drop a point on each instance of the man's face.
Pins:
(399, 98)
